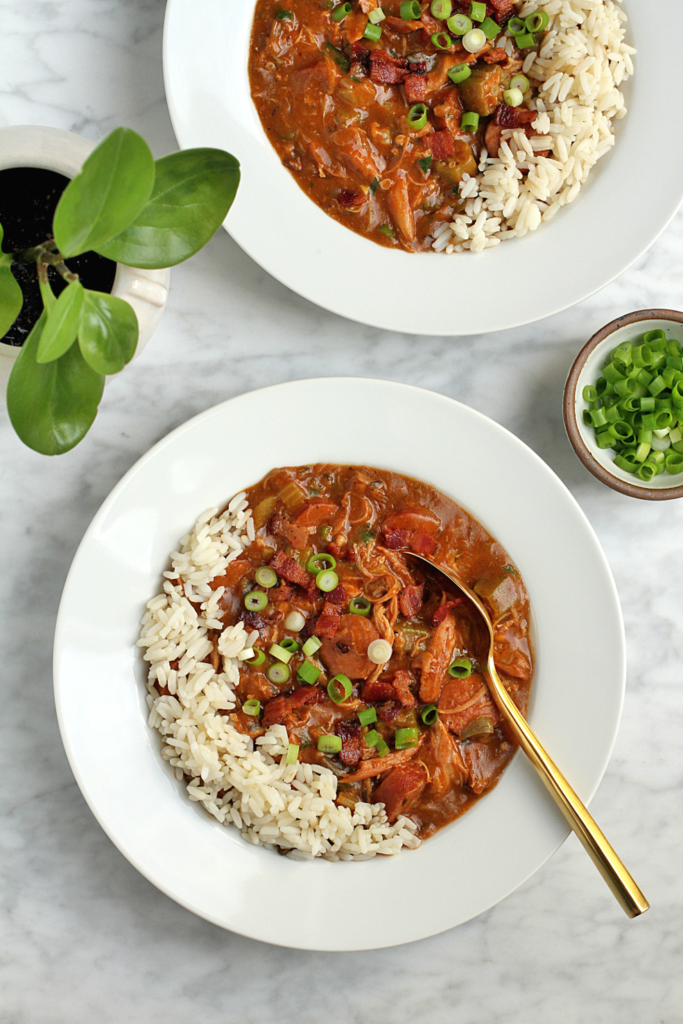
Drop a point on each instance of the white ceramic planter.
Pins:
(55, 150)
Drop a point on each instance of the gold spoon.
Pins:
(603, 856)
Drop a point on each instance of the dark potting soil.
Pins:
(28, 198)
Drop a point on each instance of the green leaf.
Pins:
(61, 326)
(193, 191)
(11, 298)
(108, 334)
(52, 405)
(107, 194)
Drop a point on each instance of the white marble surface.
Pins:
(84, 937)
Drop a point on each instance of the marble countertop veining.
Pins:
(83, 937)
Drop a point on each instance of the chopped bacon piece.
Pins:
(401, 684)
(315, 512)
(410, 600)
(502, 9)
(513, 117)
(388, 711)
(296, 535)
(443, 609)
(415, 87)
(283, 710)
(358, 51)
(338, 595)
(496, 56)
(252, 620)
(387, 70)
(351, 750)
(441, 144)
(394, 539)
(422, 543)
(281, 593)
(349, 199)
(378, 690)
(291, 570)
(328, 620)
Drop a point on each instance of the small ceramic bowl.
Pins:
(586, 370)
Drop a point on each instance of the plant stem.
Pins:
(45, 254)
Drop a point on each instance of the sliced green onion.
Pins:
(376, 16)
(308, 672)
(525, 41)
(258, 658)
(360, 606)
(381, 748)
(674, 463)
(379, 652)
(316, 563)
(372, 32)
(339, 688)
(646, 471)
(520, 82)
(339, 13)
(295, 622)
(655, 339)
(513, 97)
(292, 755)
(516, 27)
(265, 576)
(537, 22)
(368, 716)
(278, 673)
(623, 462)
(623, 353)
(325, 531)
(656, 386)
(674, 347)
(405, 738)
(311, 646)
(441, 9)
(481, 726)
(489, 28)
(459, 72)
(430, 714)
(461, 668)
(474, 40)
(255, 600)
(642, 451)
(589, 393)
(252, 707)
(280, 652)
(372, 738)
(411, 10)
(470, 121)
(282, 14)
(330, 744)
(425, 163)
(386, 230)
(417, 116)
(289, 644)
(327, 580)
(459, 24)
(612, 373)
(441, 40)
(477, 11)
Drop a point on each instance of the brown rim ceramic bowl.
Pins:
(586, 370)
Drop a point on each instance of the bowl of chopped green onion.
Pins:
(623, 404)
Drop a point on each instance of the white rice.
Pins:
(272, 804)
(581, 64)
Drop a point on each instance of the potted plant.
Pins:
(124, 210)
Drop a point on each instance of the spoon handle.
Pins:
(623, 886)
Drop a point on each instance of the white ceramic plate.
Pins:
(614, 219)
(208, 868)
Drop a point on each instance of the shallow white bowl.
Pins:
(208, 868)
(630, 197)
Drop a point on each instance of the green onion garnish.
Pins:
(441, 9)
(386, 230)
(311, 646)
(278, 673)
(308, 673)
(376, 16)
(368, 716)
(459, 72)
(330, 744)
(289, 644)
(252, 707)
(258, 658)
(339, 13)
(442, 41)
(525, 41)
(292, 755)
(360, 606)
(280, 652)
(489, 28)
(417, 116)
(372, 738)
(425, 163)
(339, 688)
(406, 738)
(341, 59)
(255, 600)
(366, 534)
(282, 14)
(470, 121)
(477, 11)
(265, 576)
(372, 32)
(461, 668)
(459, 24)
(520, 82)
(516, 27)
(374, 185)
(381, 748)
(411, 10)
(327, 580)
(316, 563)
(430, 714)
(513, 97)
(537, 22)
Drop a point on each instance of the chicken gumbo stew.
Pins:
(371, 661)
